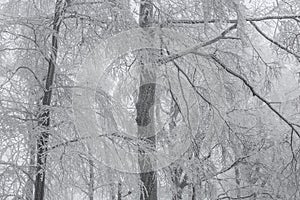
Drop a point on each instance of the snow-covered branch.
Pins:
(233, 21)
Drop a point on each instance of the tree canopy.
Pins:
(207, 109)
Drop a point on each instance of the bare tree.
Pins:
(44, 117)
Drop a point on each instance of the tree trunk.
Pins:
(28, 189)
(193, 192)
(145, 111)
(238, 182)
(120, 190)
(91, 177)
(146, 126)
(44, 116)
(112, 191)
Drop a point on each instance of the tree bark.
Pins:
(145, 111)
(44, 116)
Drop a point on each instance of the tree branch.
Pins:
(251, 19)
(221, 36)
(13, 74)
(254, 93)
(243, 197)
(273, 41)
(193, 49)
(190, 82)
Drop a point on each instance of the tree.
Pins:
(44, 118)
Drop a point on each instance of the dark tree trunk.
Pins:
(146, 130)
(44, 116)
(120, 190)
(194, 192)
(91, 177)
(145, 112)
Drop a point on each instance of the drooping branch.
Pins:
(221, 36)
(194, 87)
(254, 93)
(14, 73)
(273, 41)
(191, 83)
(233, 21)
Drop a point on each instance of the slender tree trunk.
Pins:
(91, 177)
(193, 192)
(44, 117)
(112, 191)
(145, 111)
(28, 190)
(238, 182)
(120, 190)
